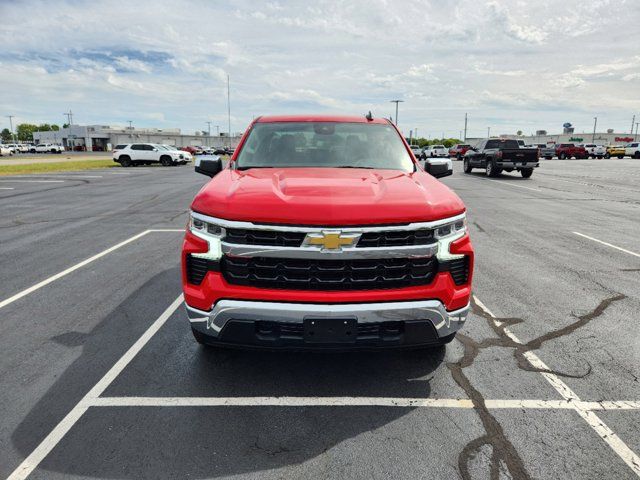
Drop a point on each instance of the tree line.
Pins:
(24, 131)
(423, 142)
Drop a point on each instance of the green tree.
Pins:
(44, 127)
(519, 132)
(25, 131)
(6, 135)
(55, 128)
(65, 125)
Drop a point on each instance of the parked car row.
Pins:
(204, 150)
(13, 148)
(132, 154)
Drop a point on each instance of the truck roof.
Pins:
(320, 118)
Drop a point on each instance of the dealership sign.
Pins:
(575, 139)
(624, 139)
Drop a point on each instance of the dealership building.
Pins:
(600, 138)
(105, 137)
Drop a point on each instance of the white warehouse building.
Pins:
(104, 137)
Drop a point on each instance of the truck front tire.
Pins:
(466, 166)
(526, 172)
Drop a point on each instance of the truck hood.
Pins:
(326, 196)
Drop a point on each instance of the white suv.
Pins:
(632, 150)
(148, 153)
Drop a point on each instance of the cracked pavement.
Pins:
(571, 301)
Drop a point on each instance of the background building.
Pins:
(104, 137)
(606, 138)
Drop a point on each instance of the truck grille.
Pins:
(390, 238)
(301, 274)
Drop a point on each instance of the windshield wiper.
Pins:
(247, 167)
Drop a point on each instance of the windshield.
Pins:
(502, 144)
(324, 144)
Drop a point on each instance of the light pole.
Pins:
(396, 102)
(636, 135)
(488, 132)
(130, 122)
(229, 108)
(465, 128)
(10, 117)
(416, 135)
(595, 122)
(217, 130)
(633, 120)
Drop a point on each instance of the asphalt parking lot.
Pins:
(100, 376)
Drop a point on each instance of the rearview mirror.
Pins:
(208, 165)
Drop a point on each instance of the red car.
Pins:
(192, 150)
(568, 150)
(459, 150)
(324, 232)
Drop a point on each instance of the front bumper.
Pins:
(279, 324)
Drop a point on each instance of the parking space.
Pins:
(102, 379)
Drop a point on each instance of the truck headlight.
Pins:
(447, 233)
(211, 233)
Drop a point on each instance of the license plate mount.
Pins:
(330, 330)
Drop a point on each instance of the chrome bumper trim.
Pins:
(411, 251)
(344, 229)
(445, 322)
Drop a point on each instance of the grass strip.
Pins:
(55, 167)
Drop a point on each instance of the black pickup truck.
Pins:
(498, 154)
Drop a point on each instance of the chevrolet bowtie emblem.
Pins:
(332, 240)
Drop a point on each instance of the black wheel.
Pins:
(125, 161)
(620, 156)
(166, 161)
(562, 156)
(636, 155)
(491, 169)
(607, 155)
(458, 157)
(526, 172)
(466, 166)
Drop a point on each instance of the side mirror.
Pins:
(208, 165)
(438, 170)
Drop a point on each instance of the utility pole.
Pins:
(217, 130)
(488, 132)
(465, 128)
(69, 122)
(229, 108)
(632, 122)
(595, 122)
(636, 135)
(130, 122)
(208, 128)
(396, 102)
(416, 134)
(10, 117)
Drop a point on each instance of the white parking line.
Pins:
(350, 402)
(617, 445)
(58, 433)
(7, 188)
(81, 264)
(608, 244)
(512, 185)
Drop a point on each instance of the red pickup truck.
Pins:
(323, 232)
(568, 150)
(458, 150)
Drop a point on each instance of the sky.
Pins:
(511, 65)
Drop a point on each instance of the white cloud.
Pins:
(508, 63)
